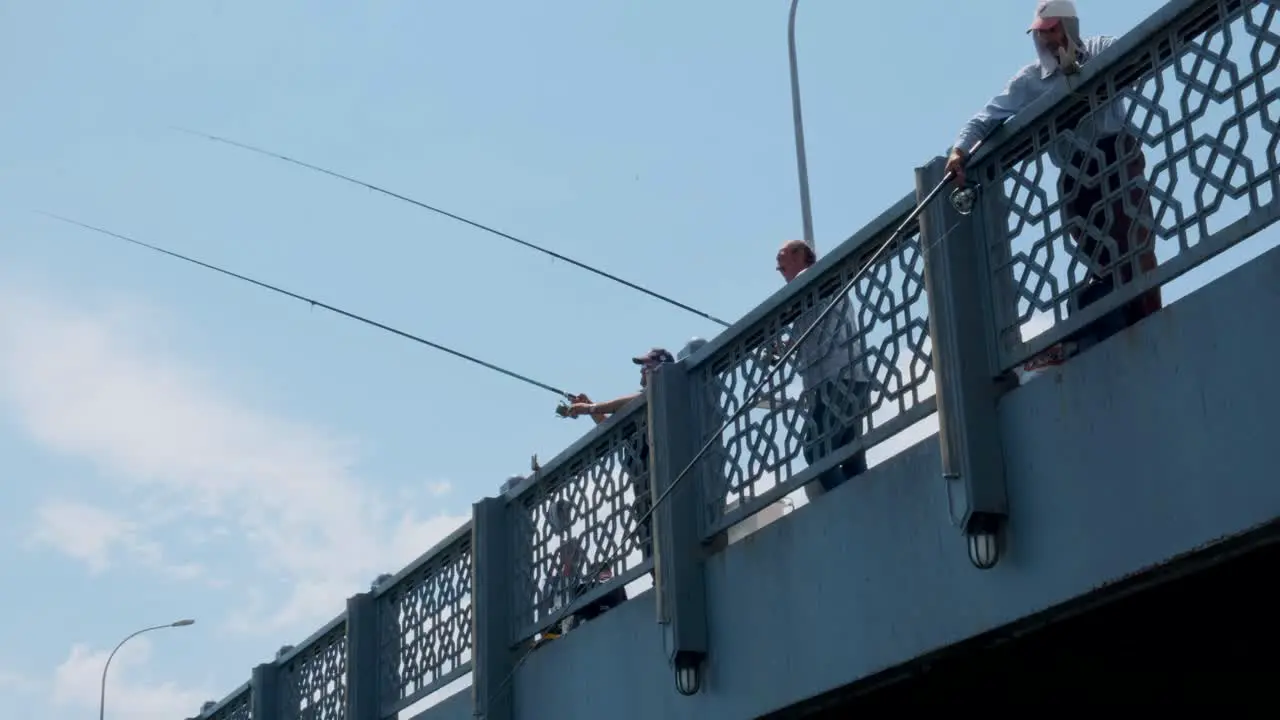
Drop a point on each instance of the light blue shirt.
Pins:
(831, 347)
(1032, 82)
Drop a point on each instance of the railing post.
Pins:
(362, 657)
(493, 580)
(962, 334)
(264, 703)
(678, 552)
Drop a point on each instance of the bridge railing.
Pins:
(760, 457)
(236, 706)
(957, 300)
(406, 638)
(311, 679)
(582, 512)
(423, 624)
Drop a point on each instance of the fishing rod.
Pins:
(459, 218)
(316, 303)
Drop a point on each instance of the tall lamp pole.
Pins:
(802, 164)
(102, 701)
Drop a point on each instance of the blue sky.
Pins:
(178, 445)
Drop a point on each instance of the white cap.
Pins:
(1048, 12)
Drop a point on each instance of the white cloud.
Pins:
(177, 449)
(76, 684)
(97, 536)
(81, 531)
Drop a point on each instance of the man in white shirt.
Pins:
(832, 367)
(1102, 189)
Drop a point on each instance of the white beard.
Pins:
(1066, 59)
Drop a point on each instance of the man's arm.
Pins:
(600, 411)
(1016, 95)
(613, 406)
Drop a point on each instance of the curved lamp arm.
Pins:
(102, 698)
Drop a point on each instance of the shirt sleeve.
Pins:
(1015, 96)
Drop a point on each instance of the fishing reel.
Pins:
(562, 409)
(964, 199)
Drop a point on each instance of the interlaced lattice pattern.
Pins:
(313, 682)
(425, 634)
(1202, 106)
(237, 708)
(580, 514)
(888, 347)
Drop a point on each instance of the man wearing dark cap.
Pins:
(635, 453)
(648, 362)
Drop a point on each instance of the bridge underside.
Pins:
(1204, 629)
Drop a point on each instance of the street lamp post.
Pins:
(802, 164)
(102, 700)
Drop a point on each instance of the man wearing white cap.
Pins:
(1087, 187)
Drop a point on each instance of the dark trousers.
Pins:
(826, 431)
(1109, 200)
(637, 467)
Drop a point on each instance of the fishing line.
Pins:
(459, 218)
(752, 398)
(316, 303)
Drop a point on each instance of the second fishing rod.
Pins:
(459, 218)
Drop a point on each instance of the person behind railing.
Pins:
(568, 579)
(1102, 187)
(832, 369)
(635, 447)
(552, 595)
